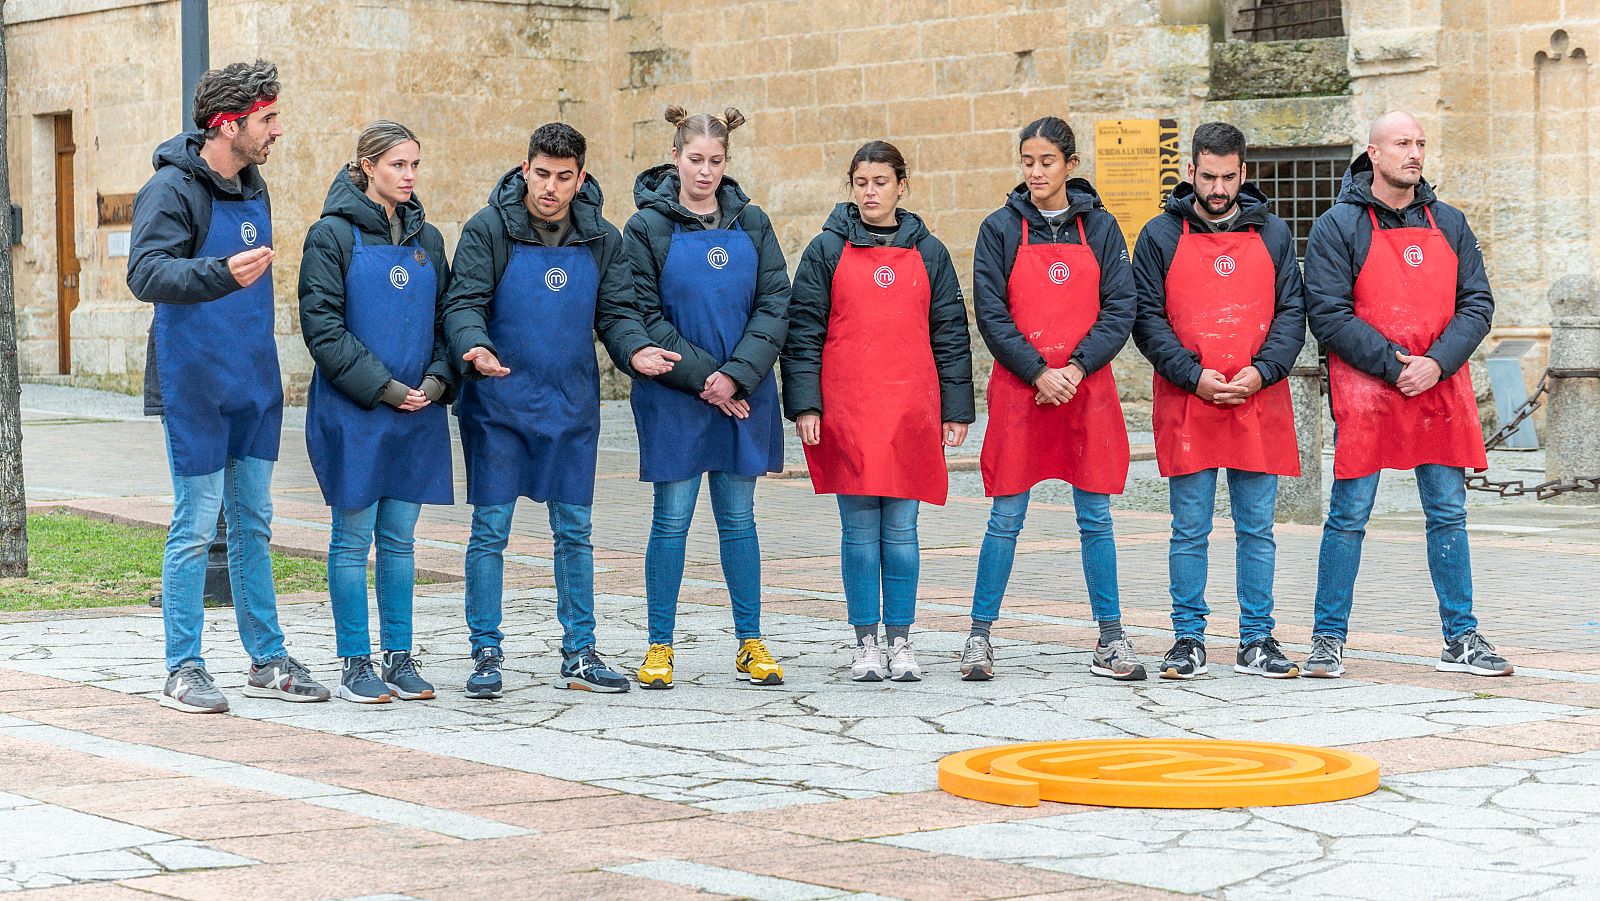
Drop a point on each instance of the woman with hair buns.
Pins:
(877, 375)
(712, 286)
(1053, 292)
(372, 274)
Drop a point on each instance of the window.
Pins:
(1302, 183)
(1289, 20)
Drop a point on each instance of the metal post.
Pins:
(1300, 500)
(196, 53)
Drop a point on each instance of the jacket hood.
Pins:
(183, 151)
(507, 197)
(1081, 198)
(352, 204)
(1254, 207)
(1356, 187)
(656, 189)
(845, 221)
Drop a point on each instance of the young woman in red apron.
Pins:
(1053, 291)
(877, 374)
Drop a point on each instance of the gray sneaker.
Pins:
(405, 682)
(1326, 660)
(284, 679)
(190, 689)
(1117, 660)
(359, 682)
(1472, 653)
(903, 666)
(977, 659)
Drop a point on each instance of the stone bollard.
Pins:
(1300, 500)
(1572, 443)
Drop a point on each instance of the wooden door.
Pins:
(67, 267)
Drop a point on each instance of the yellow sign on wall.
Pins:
(1136, 165)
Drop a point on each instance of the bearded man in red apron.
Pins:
(1221, 318)
(1397, 295)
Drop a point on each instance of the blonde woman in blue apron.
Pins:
(371, 279)
(711, 282)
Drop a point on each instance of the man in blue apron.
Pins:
(536, 273)
(202, 252)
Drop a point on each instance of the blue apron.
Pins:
(217, 361)
(363, 455)
(534, 433)
(708, 291)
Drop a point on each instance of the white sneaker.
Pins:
(868, 665)
(903, 663)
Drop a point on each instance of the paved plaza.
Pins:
(816, 789)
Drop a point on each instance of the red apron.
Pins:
(1221, 296)
(1407, 291)
(881, 434)
(1054, 297)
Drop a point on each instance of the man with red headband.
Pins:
(202, 252)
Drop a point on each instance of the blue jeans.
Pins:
(733, 500)
(242, 490)
(878, 545)
(395, 523)
(574, 563)
(1099, 550)
(1443, 491)
(1254, 497)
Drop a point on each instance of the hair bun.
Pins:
(732, 118)
(675, 115)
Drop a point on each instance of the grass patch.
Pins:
(74, 561)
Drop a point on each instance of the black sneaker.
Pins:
(485, 679)
(585, 671)
(1186, 660)
(1263, 657)
(1327, 658)
(1472, 653)
(404, 680)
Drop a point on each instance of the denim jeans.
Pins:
(1443, 491)
(242, 489)
(1254, 497)
(733, 505)
(1099, 550)
(878, 545)
(574, 564)
(393, 523)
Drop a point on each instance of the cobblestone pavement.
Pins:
(816, 789)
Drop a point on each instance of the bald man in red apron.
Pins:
(1397, 295)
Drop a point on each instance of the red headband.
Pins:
(261, 103)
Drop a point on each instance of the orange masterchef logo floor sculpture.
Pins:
(1157, 772)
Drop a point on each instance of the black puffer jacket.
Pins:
(812, 298)
(996, 251)
(1152, 258)
(484, 251)
(171, 215)
(340, 356)
(648, 234)
(1337, 250)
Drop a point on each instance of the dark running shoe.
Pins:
(1186, 660)
(585, 671)
(1263, 657)
(284, 679)
(485, 679)
(1472, 653)
(404, 680)
(1327, 658)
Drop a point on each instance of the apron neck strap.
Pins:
(357, 232)
(1082, 238)
(1024, 231)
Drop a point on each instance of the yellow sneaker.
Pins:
(755, 661)
(657, 669)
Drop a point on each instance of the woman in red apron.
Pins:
(877, 375)
(1053, 293)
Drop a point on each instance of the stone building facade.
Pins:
(1505, 91)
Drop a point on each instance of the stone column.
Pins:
(1572, 443)
(1300, 500)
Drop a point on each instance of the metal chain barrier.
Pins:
(1542, 490)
